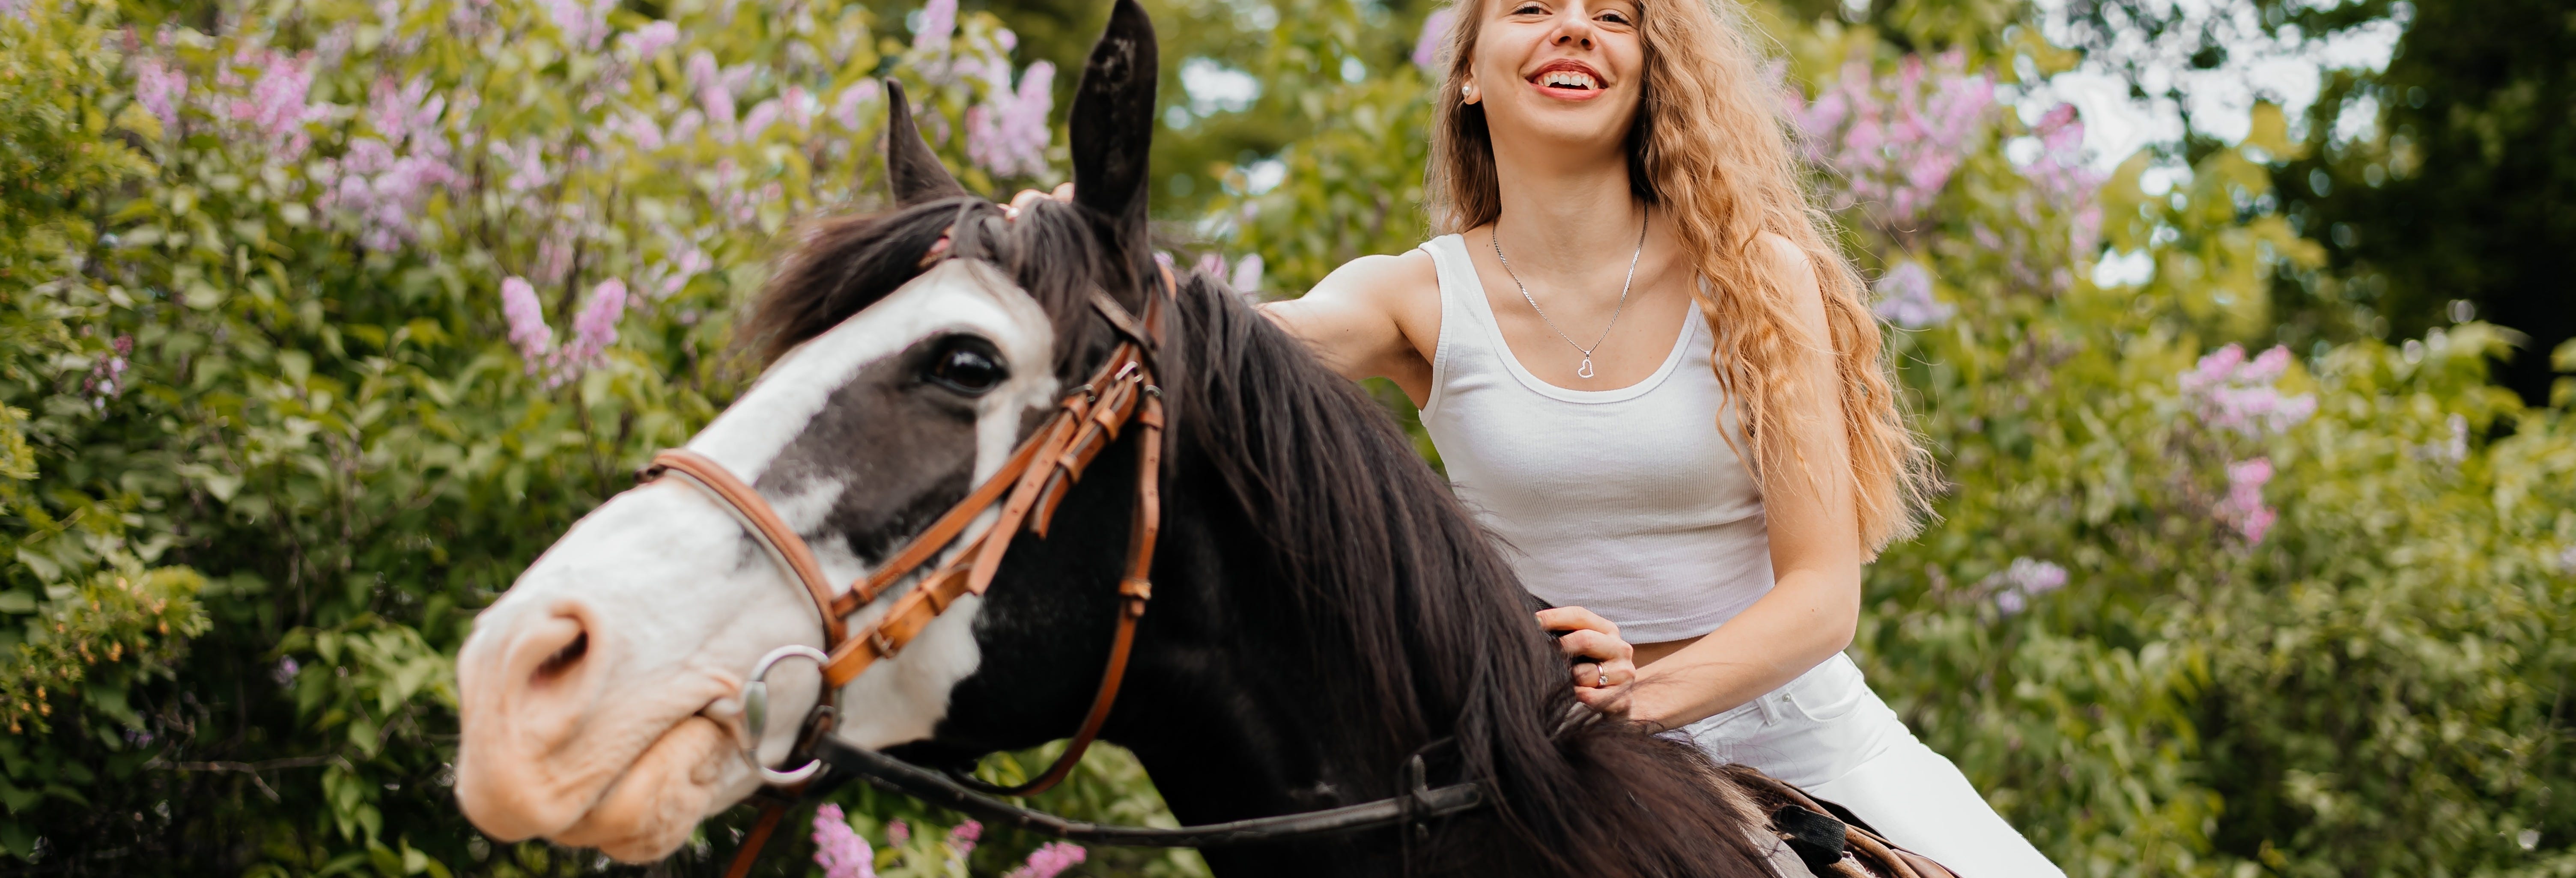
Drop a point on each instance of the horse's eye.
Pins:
(968, 365)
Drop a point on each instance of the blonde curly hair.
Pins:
(1711, 147)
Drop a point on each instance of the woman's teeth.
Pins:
(1567, 79)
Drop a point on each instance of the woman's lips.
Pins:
(1567, 80)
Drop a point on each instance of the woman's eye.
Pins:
(969, 366)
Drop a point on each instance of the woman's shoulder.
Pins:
(1388, 281)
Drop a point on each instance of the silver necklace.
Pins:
(1585, 370)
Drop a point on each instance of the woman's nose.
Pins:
(1576, 31)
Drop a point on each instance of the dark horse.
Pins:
(1323, 610)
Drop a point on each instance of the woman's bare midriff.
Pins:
(1648, 653)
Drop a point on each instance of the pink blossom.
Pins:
(584, 23)
(1049, 860)
(274, 110)
(1435, 35)
(897, 833)
(1897, 139)
(527, 319)
(526, 164)
(2230, 393)
(961, 838)
(596, 328)
(2244, 506)
(2023, 579)
(651, 39)
(800, 106)
(107, 377)
(1247, 276)
(157, 86)
(758, 120)
(838, 848)
(639, 129)
(846, 108)
(1905, 297)
(1008, 133)
(938, 24)
(1211, 264)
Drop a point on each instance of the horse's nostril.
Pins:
(563, 659)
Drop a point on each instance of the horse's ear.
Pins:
(1113, 121)
(912, 170)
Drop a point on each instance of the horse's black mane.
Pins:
(1385, 578)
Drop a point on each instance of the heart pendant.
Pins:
(1586, 370)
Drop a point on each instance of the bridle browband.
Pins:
(1028, 488)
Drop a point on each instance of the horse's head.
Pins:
(602, 695)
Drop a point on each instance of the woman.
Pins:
(1648, 371)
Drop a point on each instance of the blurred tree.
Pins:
(2444, 178)
(2463, 186)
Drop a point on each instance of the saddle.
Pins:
(1828, 838)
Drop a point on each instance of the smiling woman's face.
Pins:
(1560, 74)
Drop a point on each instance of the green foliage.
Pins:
(268, 436)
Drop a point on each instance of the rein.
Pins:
(1028, 487)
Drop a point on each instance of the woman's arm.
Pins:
(1814, 607)
(1364, 319)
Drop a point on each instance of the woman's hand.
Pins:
(1604, 665)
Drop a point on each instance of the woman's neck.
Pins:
(1561, 214)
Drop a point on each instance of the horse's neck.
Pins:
(1230, 730)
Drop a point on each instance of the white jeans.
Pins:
(1827, 733)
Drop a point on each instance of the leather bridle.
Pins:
(1028, 488)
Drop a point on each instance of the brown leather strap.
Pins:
(1135, 589)
(773, 531)
(940, 533)
(749, 853)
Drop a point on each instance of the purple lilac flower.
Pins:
(1435, 35)
(107, 377)
(274, 109)
(527, 318)
(285, 671)
(938, 24)
(760, 117)
(526, 164)
(1247, 275)
(381, 189)
(800, 106)
(1049, 860)
(961, 838)
(838, 848)
(157, 86)
(2243, 507)
(584, 23)
(846, 109)
(1897, 139)
(1008, 133)
(1905, 298)
(639, 129)
(594, 329)
(2023, 579)
(2231, 393)
(651, 39)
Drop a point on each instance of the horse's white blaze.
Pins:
(684, 601)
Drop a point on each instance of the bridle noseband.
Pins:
(1028, 487)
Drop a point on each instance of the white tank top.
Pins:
(1627, 502)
